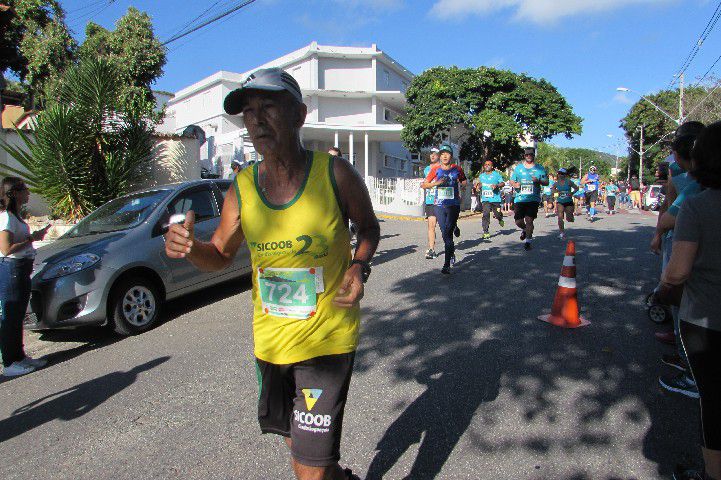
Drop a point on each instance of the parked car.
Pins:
(652, 198)
(111, 267)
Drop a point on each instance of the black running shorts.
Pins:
(591, 196)
(525, 209)
(429, 210)
(305, 401)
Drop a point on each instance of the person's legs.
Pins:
(518, 216)
(443, 214)
(529, 227)
(497, 212)
(703, 347)
(559, 213)
(14, 297)
(486, 219)
(432, 231)
(453, 214)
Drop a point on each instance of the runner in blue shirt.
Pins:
(430, 208)
(528, 177)
(590, 183)
(564, 206)
(549, 204)
(448, 179)
(611, 191)
(490, 184)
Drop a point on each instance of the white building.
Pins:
(354, 96)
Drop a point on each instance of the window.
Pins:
(415, 157)
(403, 165)
(386, 161)
(200, 201)
(386, 77)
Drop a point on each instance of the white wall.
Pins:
(302, 72)
(345, 111)
(388, 80)
(345, 74)
(394, 169)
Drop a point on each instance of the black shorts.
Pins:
(429, 210)
(525, 209)
(305, 401)
(591, 196)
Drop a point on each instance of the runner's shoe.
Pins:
(34, 362)
(523, 235)
(457, 231)
(430, 254)
(682, 473)
(349, 474)
(673, 361)
(527, 246)
(18, 368)
(486, 236)
(562, 236)
(501, 222)
(446, 270)
(453, 260)
(681, 383)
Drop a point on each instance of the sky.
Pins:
(585, 48)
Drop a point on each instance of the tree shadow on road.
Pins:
(589, 396)
(71, 403)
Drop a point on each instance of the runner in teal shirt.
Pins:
(490, 182)
(611, 191)
(528, 177)
(564, 206)
(549, 203)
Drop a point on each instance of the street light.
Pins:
(677, 121)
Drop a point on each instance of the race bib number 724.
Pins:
(290, 292)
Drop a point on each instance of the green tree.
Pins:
(553, 158)
(35, 45)
(488, 111)
(135, 51)
(90, 146)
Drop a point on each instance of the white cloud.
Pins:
(538, 11)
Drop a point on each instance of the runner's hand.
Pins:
(351, 288)
(535, 179)
(179, 239)
(656, 244)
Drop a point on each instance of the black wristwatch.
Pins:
(365, 269)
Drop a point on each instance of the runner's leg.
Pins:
(486, 219)
(432, 232)
(444, 222)
(559, 214)
(497, 212)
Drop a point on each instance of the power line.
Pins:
(212, 20)
(697, 45)
(190, 40)
(707, 71)
(187, 24)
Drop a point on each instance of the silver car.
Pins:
(111, 267)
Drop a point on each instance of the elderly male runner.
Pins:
(292, 209)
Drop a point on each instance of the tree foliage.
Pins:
(553, 158)
(90, 146)
(486, 110)
(701, 103)
(35, 45)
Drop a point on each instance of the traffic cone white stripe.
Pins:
(569, 261)
(566, 282)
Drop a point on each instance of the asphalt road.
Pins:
(454, 378)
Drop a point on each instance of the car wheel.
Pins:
(657, 314)
(135, 306)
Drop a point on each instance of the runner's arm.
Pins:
(219, 252)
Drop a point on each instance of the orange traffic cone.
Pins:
(564, 312)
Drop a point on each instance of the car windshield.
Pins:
(119, 214)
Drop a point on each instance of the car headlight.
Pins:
(71, 265)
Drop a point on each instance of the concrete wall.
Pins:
(345, 111)
(388, 80)
(302, 72)
(177, 159)
(345, 74)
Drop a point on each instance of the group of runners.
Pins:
(528, 188)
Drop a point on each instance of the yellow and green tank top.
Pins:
(299, 252)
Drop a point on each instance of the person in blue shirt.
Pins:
(490, 183)
(590, 183)
(611, 191)
(430, 208)
(549, 203)
(528, 177)
(448, 180)
(565, 189)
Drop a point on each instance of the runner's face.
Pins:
(446, 158)
(529, 158)
(488, 166)
(273, 120)
(434, 157)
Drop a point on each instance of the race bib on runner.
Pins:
(591, 187)
(527, 189)
(487, 193)
(446, 193)
(290, 292)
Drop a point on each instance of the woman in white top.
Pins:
(16, 265)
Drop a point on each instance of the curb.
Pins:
(387, 216)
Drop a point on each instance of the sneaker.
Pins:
(684, 474)
(18, 368)
(548, 215)
(430, 254)
(501, 222)
(562, 236)
(523, 235)
(486, 236)
(457, 231)
(681, 383)
(668, 338)
(446, 270)
(527, 246)
(34, 362)
(673, 361)
(453, 260)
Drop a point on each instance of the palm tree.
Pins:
(90, 145)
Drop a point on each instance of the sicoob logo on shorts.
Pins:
(307, 421)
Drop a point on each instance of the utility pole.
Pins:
(640, 159)
(680, 100)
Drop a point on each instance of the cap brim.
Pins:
(233, 103)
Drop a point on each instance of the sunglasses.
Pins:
(21, 188)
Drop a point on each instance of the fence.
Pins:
(399, 196)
